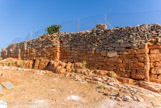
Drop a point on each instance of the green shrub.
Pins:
(1, 58)
(8, 64)
(116, 27)
(22, 64)
(100, 86)
(84, 64)
(112, 74)
(53, 29)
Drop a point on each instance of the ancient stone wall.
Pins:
(129, 51)
(45, 47)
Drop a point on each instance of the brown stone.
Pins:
(112, 74)
(155, 57)
(124, 74)
(142, 51)
(138, 75)
(157, 64)
(78, 65)
(156, 70)
(121, 65)
(155, 51)
(132, 52)
(155, 80)
(60, 70)
(143, 59)
(43, 64)
(125, 80)
(153, 76)
(118, 99)
(154, 46)
(112, 54)
(102, 72)
(62, 64)
(159, 77)
(150, 86)
(2, 63)
(103, 53)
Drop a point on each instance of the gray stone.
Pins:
(111, 83)
(135, 98)
(126, 98)
(7, 85)
(1, 88)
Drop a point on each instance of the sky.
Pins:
(24, 19)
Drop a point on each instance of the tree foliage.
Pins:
(53, 29)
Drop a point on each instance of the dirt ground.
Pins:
(44, 89)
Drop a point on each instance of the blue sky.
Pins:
(18, 18)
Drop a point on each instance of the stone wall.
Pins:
(132, 52)
(46, 47)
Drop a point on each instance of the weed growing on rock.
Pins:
(84, 63)
(8, 64)
(100, 87)
(22, 64)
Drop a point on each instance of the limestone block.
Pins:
(155, 51)
(156, 70)
(125, 74)
(103, 53)
(159, 77)
(142, 51)
(153, 57)
(60, 70)
(36, 64)
(156, 64)
(112, 54)
(78, 65)
(125, 80)
(153, 76)
(143, 59)
(139, 74)
(132, 52)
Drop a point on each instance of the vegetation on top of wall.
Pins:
(53, 29)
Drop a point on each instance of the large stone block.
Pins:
(143, 59)
(125, 74)
(153, 76)
(156, 70)
(156, 64)
(138, 74)
(142, 51)
(112, 54)
(103, 53)
(155, 51)
(154, 57)
(159, 77)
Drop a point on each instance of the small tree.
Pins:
(53, 29)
